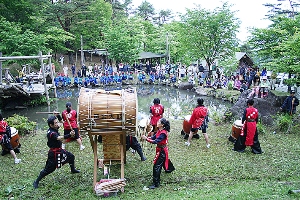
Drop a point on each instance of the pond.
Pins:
(177, 103)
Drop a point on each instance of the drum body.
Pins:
(15, 139)
(236, 129)
(186, 126)
(107, 110)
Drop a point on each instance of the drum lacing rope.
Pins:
(123, 111)
(92, 121)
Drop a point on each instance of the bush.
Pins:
(22, 124)
(262, 129)
(283, 122)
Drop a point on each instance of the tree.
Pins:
(17, 11)
(164, 16)
(123, 39)
(287, 9)
(119, 9)
(278, 45)
(83, 17)
(15, 42)
(146, 11)
(209, 35)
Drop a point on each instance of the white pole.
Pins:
(44, 78)
(0, 69)
(52, 76)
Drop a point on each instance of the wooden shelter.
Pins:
(243, 59)
(149, 56)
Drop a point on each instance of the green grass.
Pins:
(201, 173)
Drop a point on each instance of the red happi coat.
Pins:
(198, 116)
(156, 110)
(72, 116)
(161, 145)
(251, 116)
(3, 125)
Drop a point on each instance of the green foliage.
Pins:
(261, 128)
(217, 113)
(278, 45)
(22, 124)
(18, 11)
(56, 38)
(16, 42)
(41, 100)
(146, 11)
(228, 116)
(122, 39)
(209, 35)
(283, 121)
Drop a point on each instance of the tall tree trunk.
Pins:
(68, 43)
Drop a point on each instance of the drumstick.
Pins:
(54, 112)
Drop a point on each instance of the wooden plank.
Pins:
(95, 161)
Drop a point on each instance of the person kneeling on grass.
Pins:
(5, 139)
(57, 156)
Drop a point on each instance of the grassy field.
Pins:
(201, 173)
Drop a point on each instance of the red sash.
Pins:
(58, 156)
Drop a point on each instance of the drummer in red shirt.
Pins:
(249, 134)
(198, 121)
(156, 112)
(69, 116)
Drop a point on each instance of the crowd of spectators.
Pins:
(242, 79)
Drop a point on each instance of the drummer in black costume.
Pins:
(57, 156)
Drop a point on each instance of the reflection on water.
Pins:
(177, 103)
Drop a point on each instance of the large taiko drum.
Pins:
(107, 110)
(236, 129)
(186, 126)
(15, 138)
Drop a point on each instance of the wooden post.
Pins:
(95, 160)
(106, 58)
(52, 76)
(76, 57)
(44, 78)
(81, 50)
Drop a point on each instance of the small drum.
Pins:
(186, 126)
(15, 139)
(236, 129)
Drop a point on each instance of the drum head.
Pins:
(187, 118)
(238, 123)
(13, 130)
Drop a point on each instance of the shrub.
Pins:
(22, 124)
(283, 122)
(262, 129)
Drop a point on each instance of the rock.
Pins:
(267, 107)
(185, 86)
(200, 91)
